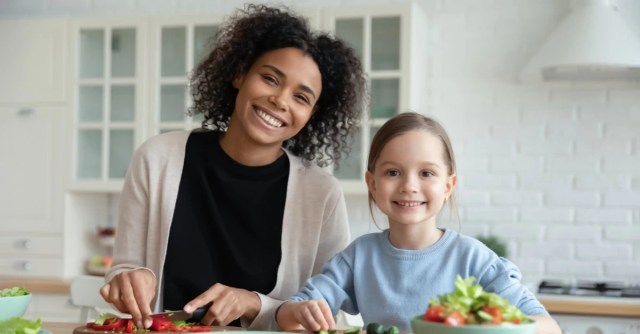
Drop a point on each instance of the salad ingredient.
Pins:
(375, 328)
(392, 330)
(354, 330)
(112, 323)
(15, 291)
(19, 325)
(470, 304)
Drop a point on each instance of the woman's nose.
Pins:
(278, 101)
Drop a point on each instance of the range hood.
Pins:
(592, 43)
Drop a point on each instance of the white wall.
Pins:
(554, 169)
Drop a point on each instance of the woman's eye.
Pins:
(270, 79)
(302, 98)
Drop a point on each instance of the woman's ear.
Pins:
(237, 81)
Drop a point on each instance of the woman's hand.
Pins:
(132, 292)
(313, 315)
(228, 305)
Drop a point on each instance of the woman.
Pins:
(238, 213)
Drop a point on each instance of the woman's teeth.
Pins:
(267, 118)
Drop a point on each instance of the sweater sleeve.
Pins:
(133, 217)
(503, 277)
(334, 284)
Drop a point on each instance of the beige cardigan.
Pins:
(315, 225)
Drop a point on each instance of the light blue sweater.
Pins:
(390, 285)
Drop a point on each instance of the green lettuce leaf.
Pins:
(19, 325)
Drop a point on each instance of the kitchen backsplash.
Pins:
(553, 169)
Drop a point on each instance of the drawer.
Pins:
(30, 266)
(28, 244)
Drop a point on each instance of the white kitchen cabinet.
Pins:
(31, 191)
(108, 99)
(390, 41)
(33, 61)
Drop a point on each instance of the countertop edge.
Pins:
(38, 285)
(619, 307)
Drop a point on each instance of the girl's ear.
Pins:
(371, 183)
(452, 181)
(237, 81)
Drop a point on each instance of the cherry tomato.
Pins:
(454, 319)
(434, 313)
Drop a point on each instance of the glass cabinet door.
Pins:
(182, 47)
(106, 102)
(376, 40)
(385, 39)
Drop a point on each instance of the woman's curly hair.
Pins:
(257, 29)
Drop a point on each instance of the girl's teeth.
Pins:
(267, 118)
(409, 203)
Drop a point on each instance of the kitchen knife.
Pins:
(196, 316)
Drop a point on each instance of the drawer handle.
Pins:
(27, 244)
(26, 265)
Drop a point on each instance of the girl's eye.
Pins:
(426, 173)
(392, 172)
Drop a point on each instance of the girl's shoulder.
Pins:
(465, 242)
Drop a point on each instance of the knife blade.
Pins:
(196, 316)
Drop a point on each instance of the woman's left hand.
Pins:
(228, 305)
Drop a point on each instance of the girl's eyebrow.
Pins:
(279, 73)
(395, 162)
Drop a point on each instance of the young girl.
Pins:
(389, 277)
(238, 213)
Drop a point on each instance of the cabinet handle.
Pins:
(26, 112)
(26, 265)
(27, 244)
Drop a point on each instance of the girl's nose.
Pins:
(409, 184)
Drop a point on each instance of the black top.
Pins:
(227, 223)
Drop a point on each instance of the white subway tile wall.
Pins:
(553, 169)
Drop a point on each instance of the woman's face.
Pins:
(276, 96)
(410, 181)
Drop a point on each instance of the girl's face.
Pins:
(276, 97)
(410, 180)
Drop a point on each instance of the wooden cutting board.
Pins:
(85, 330)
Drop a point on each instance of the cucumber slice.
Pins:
(354, 330)
(375, 328)
(392, 330)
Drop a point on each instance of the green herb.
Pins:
(18, 325)
(15, 291)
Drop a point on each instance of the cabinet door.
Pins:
(30, 173)
(108, 99)
(181, 44)
(389, 42)
(32, 58)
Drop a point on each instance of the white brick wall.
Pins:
(554, 168)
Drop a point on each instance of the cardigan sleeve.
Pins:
(129, 251)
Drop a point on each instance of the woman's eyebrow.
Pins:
(281, 74)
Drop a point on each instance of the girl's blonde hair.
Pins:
(403, 123)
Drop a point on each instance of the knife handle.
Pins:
(199, 313)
